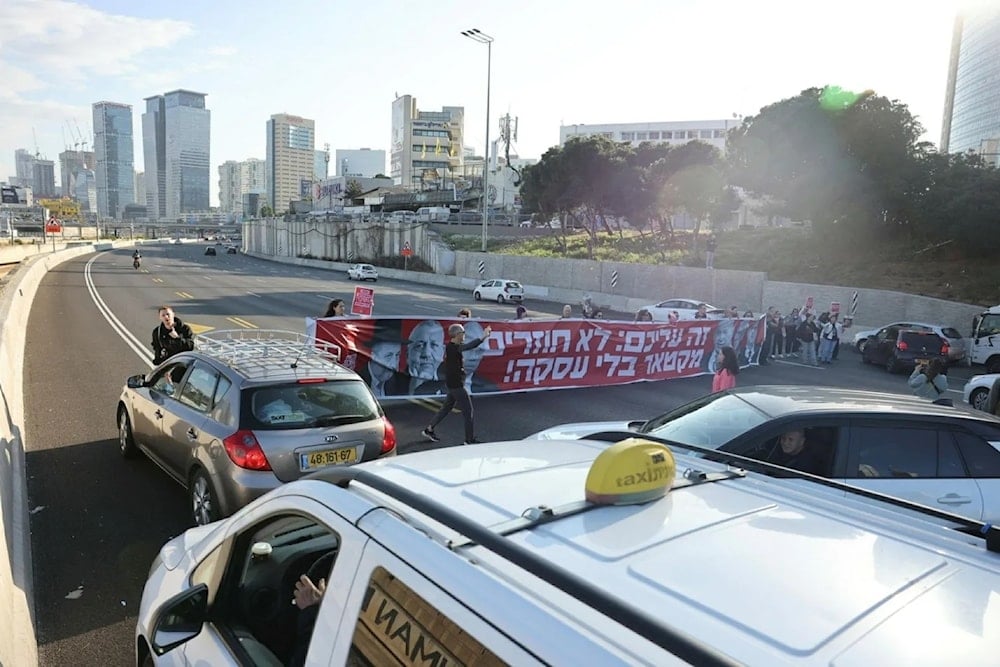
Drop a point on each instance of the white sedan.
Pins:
(686, 309)
(977, 390)
(362, 272)
(500, 290)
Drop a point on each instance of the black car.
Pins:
(210, 251)
(902, 349)
(232, 250)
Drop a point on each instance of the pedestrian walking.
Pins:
(710, 247)
(454, 373)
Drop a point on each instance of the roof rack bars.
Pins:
(653, 629)
(259, 352)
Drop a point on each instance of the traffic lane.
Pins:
(96, 520)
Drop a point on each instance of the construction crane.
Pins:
(38, 154)
(79, 135)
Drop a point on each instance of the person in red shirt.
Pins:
(727, 368)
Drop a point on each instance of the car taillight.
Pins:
(945, 349)
(244, 450)
(901, 345)
(389, 437)
(311, 380)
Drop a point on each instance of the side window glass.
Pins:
(221, 407)
(199, 389)
(982, 459)
(896, 453)
(398, 627)
(949, 462)
(168, 380)
(261, 578)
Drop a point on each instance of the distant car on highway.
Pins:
(210, 250)
(232, 250)
(500, 290)
(686, 309)
(238, 417)
(362, 272)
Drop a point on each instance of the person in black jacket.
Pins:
(454, 377)
(171, 337)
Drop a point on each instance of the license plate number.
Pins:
(328, 457)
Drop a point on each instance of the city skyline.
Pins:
(677, 60)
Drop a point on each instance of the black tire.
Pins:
(979, 398)
(862, 344)
(126, 439)
(500, 299)
(993, 364)
(202, 499)
(477, 296)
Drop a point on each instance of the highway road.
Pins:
(97, 520)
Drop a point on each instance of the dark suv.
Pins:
(901, 349)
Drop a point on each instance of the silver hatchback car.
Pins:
(246, 412)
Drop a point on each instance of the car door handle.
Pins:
(954, 499)
(192, 434)
(159, 415)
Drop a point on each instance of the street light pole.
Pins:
(479, 36)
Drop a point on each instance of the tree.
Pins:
(352, 190)
(266, 211)
(830, 156)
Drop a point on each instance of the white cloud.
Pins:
(71, 41)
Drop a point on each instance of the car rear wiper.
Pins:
(338, 420)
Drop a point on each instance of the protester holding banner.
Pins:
(454, 371)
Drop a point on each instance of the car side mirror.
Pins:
(136, 381)
(180, 619)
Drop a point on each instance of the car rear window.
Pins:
(513, 284)
(309, 405)
(950, 332)
(917, 338)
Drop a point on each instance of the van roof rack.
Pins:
(262, 353)
(675, 641)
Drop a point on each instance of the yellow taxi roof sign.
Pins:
(631, 472)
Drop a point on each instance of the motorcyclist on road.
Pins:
(136, 258)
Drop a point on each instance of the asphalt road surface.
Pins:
(97, 520)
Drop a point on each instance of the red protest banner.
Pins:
(404, 356)
(834, 307)
(363, 302)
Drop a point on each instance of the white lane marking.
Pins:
(430, 308)
(206, 276)
(253, 294)
(797, 363)
(116, 325)
(322, 296)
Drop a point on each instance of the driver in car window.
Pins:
(796, 452)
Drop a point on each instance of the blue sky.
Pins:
(554, 61)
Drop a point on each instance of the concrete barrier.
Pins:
(18, 644)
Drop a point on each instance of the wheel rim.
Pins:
(862, 345)
(978, 399)
(201, 500)
(500, 298)
(123, 432)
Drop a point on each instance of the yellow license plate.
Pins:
(328, 457)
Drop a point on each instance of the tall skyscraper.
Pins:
(972, 99)
(140, 188)
(24, 165)
(70, 164)
(176, 131)
(44, 178)
(237, 179)
(114, 154)
(426, 145)
(290, 160)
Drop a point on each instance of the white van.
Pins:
(433, 214)
(580, 552)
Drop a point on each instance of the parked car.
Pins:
(941, 456)
(362, 272)
(240, 416)
(957, 348)
(210, 250)
(232, 250)
(575, 553)
(902, 349)
(977, 390)
(500, 290)
(686, 309)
